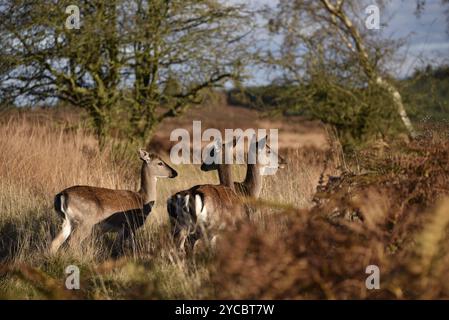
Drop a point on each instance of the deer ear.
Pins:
(144, 155)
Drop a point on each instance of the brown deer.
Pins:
(122, 211)
(252, 185)
(203, 210)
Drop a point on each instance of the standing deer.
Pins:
(252, 185)
(203, 210)
(121, 211)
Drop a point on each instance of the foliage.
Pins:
(117, 65)
(377, 208)
(394, 214)
(427, 93)
(357, 115)
(335, 69)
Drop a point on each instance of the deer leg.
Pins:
(117, 247)
(123, 236)
(201, 245)
(129, 234)
(82, 231)
(198, 246)
(62, 236)
(181, 239)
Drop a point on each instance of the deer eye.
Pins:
(160, 164)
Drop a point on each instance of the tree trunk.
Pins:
(397, 100)
(368, 67)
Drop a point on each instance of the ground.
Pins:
(320, 222)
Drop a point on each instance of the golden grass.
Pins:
(40, 158)
(299, 244)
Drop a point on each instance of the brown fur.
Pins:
(223, 205)
(252, 185)
(223, 208)
(124, 211)
(95, 204)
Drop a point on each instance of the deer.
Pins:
(203, 210)
(85, 208)
(251, 186)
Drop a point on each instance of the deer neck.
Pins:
(225, 175)
(253, 180)
(147, 185)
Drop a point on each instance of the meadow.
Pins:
(320, 222)
(361, 210)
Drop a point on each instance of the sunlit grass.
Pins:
(40, 159)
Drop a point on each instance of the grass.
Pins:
(384, 208)
(40, 158)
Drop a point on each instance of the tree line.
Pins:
(134, 63)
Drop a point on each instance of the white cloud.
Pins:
(427, 37)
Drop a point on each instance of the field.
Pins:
(321, 221)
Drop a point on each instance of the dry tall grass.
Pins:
(393, 214)
(384, 208)
(37, 161)
(40, 158)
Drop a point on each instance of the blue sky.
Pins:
(427, 37)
